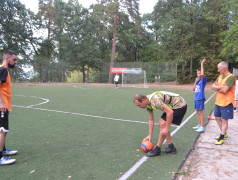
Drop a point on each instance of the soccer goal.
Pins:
(134, 78)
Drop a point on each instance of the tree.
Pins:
(230, 41)
(17, 35)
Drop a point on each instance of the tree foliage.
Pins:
(63, 36)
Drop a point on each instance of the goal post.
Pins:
(134, 77)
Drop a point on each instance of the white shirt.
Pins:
(116, 78)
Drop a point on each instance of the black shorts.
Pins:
(178, 115)
(4, 127)
(116, 82)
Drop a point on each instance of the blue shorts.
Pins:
(224, 112)
(199, 105)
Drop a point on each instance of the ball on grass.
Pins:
(146, 145)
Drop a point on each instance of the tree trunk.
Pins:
(83, 71)
(183, 71)
(87, 73)
(191, 60)
(113, 48)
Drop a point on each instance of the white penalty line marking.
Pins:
(80, 114)
(142, 160)
(44, 100)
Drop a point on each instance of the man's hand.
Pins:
(147, 138)
(203, 61)
(165, 131)
(3, 108)
(197, 79)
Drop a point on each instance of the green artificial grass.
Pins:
(89, 132)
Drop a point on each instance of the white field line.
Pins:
(79, 87)
(143, 159)
(79, 114)
(44, 100)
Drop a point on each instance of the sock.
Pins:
(221, 136)
(171, 145)
(157, 147)
(4, 148)
(0, 154)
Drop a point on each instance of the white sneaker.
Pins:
(9, 152)
(197, 127)
(5, 161)
(200, 129)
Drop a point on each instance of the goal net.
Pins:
(134, 78)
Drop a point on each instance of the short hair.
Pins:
(9, 53)
(199, 69)
(139, 97)
(223, 64)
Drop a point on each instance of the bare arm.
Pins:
(169, 118)
(221, 89)
(195, 83)
(202, 68)
(151, 124)
(2, 104)
(201, 76)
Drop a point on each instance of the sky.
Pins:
(146, 6)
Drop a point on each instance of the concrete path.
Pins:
(208, 161)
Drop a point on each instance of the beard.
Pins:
(11, 65)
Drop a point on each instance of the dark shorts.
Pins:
(116, 82)
(224, 112)
(4, 127)
(199, 105)
(178, 115)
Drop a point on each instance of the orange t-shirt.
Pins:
(5, 87)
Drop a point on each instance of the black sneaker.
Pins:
(171, 150)
(155, 152)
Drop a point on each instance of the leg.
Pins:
(2, 140)
(224, 126)
(161, 139)
(200, 117)
(200, 127)
(170, 148)
(156, 151)
(219, 122)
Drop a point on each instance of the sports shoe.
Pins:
(219, 142)
(196, 127)
(155, 152)
(225, 136)
(9, 152)
(5, 161)
(171, 150)
(200, 130)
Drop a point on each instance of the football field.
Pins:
(87, 132)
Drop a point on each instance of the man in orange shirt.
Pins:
(9, 61)
(225, 87)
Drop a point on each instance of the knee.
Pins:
(161, 123)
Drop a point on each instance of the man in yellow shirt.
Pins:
(225, 88)
(9, 61)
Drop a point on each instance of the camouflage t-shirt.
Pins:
(159, 100)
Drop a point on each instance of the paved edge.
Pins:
(190, 151)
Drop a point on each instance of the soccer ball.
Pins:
(146, 145)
